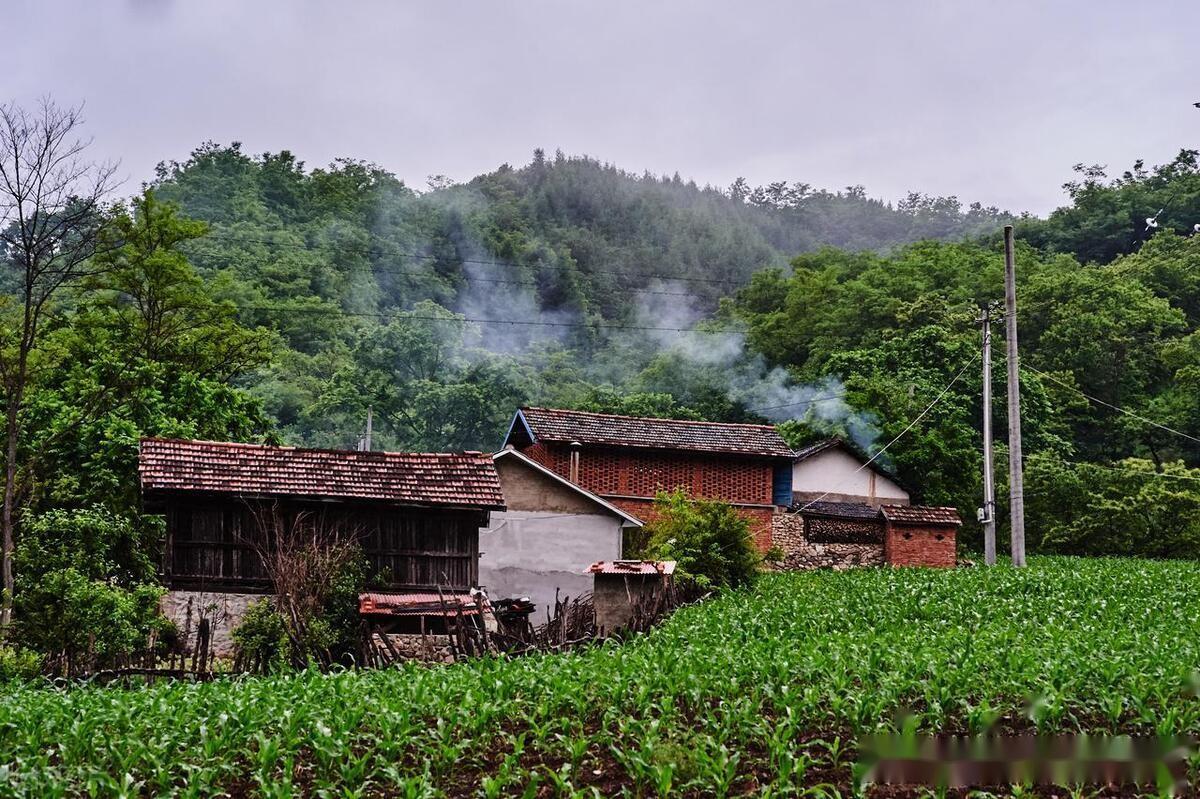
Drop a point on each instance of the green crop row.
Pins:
(756, 691)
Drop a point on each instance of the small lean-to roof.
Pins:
(512, 454)
(838, 510)
(466, 479)
(633, 567)
(920, 514)
(417, 603)
(565, 427)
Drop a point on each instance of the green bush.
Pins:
(94, 542)
(17, 663)
(261, 639)
(710, 543)
(73, 618)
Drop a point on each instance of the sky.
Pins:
(987, 101)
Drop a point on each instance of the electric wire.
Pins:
(1117, 408)
(901, 434)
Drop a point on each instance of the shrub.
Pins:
(93, 541)
(261, 639)
(82, 622)
(710, 543)
(17, 663)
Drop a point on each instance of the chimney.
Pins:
(574, 468)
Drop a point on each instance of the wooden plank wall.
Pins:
(211, 543)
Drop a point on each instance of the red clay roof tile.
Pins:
(920, 514)
(467, 479)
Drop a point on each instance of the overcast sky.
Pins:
(988, 101)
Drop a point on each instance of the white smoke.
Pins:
(673, 321)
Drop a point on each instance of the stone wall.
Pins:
(224, 612)
(613, 596)
(423, 648)
(801, 554)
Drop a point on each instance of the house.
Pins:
(836, 471)
(550, 531)
(627, 460)
(621, 584)
(416, 517)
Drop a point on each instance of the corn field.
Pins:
(759, 693)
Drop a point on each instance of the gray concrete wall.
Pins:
(224, 611)
(530, 553)
(614, 595)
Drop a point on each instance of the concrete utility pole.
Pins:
(989, 479)
(364, 443)
(1015, 477)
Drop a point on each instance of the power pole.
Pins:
(1015, 477)
(988, 512)
(364, 443)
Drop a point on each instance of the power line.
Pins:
(1119, 409)
(808, 401)
(910, 426)
(1123, 470)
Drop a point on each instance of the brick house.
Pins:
(841, 535)
(628, 460)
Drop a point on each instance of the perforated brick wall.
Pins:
(915, 545)
(643, 474)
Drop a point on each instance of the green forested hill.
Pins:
(572, 250)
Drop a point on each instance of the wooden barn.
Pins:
(416, 516)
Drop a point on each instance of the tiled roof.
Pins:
(550, 424)
(812, 449)
(632, 567)
(919, 514)
(461, 480)
(417, 603)
(841, 510)
(804, 453)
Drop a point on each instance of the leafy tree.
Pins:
(51, 217)
(433, 390)
(711, 544)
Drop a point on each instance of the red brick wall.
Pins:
(644, 474)
(759, 518)
(917, 545)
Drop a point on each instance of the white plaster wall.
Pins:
(530, 553)
(834, 471)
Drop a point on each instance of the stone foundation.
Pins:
(423, 648)
(801, 554)
(224, 612)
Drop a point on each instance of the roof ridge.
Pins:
(650, 418)
(292, 448)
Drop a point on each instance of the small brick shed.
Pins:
(919, 536)
(840, 535)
